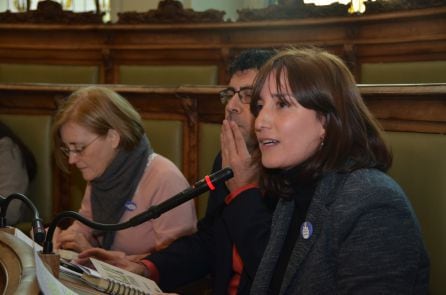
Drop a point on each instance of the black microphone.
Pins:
(207, 183)
(201, 186)
(37, 224)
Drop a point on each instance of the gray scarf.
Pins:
(116, 186)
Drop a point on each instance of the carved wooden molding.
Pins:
(171, 11)
(404, 36)
(50, 12)
(423, 104)
(296, 9)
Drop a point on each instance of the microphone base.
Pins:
(51, 262)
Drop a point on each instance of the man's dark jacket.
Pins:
(245, 223)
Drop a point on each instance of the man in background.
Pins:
(232, 236)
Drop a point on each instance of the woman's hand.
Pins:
(71, 240)
(116, 258)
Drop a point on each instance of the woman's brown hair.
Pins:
(98, 109)
(321, 81)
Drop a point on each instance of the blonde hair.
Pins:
(98, 109)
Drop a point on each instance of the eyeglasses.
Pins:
(77, 150)
(244, 94)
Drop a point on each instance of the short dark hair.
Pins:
(321, 81)
(250, 59)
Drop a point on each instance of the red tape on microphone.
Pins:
(209, 183)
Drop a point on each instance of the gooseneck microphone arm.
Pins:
(37, 224)
(153, 212)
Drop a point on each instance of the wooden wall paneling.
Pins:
(209, 108)
(429, 50)
(166, 36)
(410, 35)
(409, 108)
(167, 56)
(190, 142)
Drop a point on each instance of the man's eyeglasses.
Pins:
(244, 94)
(77, 150)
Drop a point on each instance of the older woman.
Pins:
(100, 133)
(342, 225)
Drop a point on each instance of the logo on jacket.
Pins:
(306, 230)
(130, 205)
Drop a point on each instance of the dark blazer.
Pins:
(365, 239)
(245, 222)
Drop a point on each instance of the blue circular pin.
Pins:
(306, 230)
(130, 205)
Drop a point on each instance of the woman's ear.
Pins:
(114, 137)
(323, 120)
(323, 131)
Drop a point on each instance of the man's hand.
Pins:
(235, 154)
